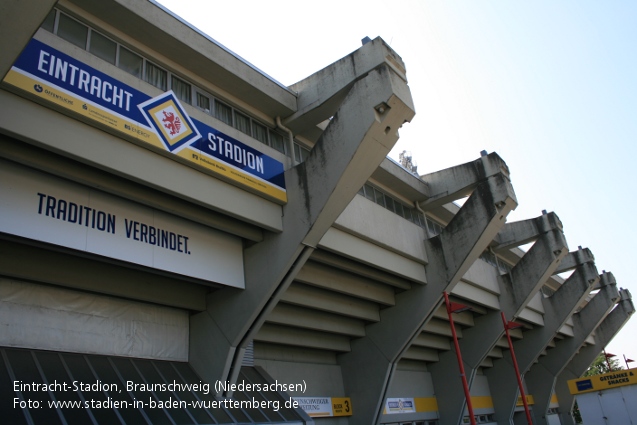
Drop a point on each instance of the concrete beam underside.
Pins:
(516, 289)
(540, 380)
(368, 369)
(576, 367)
(557, 309)
(359, 136)
(19, 21)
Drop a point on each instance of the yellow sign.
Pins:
(325, 406)
(606, 381)
(529, 400)
(341, 406)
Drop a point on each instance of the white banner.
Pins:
(39, 206)
(315, 406)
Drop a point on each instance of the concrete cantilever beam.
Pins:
(368, 368)
(320, 94)
(540, 380)
(359, 136)
(576, 367)
(457, 182)
(557, 309)
(524, 281)
(516, 289)
(522, 232)
(574, 259)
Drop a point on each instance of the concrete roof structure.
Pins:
(329, 273)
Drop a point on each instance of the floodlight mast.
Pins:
(456, 308)
(507, 326)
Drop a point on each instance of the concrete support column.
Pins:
(19, 21)
(576, 367)
(368, 368)
(540, 379)
(359, 136)
(557, 309)
(529, 274)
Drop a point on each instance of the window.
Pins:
(491, 259)
(182, 89)
(156, 76)
(421, 220)
(72, 31)
(106, 49)
(103, 48)
(223, 112)
(397, 207)
(203, 102)
(410, 214)
(369, 192)
(260, 132)
(130, 62)
(389, 203)
(277, 141)
(49, 21)
(379, 198)
(433, 228)
(242, 123)
(300, 153)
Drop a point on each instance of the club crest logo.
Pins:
(174, 127)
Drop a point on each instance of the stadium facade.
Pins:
(185, 240)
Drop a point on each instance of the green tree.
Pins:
(600, 366)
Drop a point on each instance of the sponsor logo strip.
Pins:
(69, 101)
(161, 122)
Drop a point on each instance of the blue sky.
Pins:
(549, 85)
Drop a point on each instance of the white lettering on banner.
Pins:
(91, 84)
(235, 153)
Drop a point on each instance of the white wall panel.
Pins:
(50, 318)
(45, 208)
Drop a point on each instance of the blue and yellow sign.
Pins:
(171, 123)
(58, 80)
(410, 405)
(618, 378)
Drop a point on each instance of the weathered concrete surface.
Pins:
(457, 182)
(576, 367)
(574, 259)
(557, 309)
(516, 289)
(320, 94)
(523, 232)
(359, 136)
(19, 20)
(540, 380)
(368, 368)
